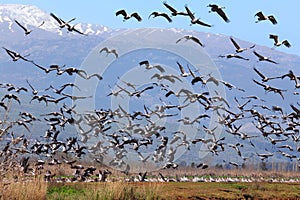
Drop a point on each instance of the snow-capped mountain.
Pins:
(32, 16)
(51, 45)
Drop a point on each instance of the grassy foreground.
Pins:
(175, 191)
(172, 190)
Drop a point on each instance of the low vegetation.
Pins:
(37, 189)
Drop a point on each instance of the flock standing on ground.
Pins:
(277, 126)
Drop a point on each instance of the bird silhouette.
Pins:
(277, 43)
(149, 66)
(264, 58)
(238, 48)
(219, 10)
(160, 14)
(190, 37)
(128, 16)
(11, 96)
(263, 77)
(174, 12)
(233, 55)
(109, 51)
(16, 56)
(262, 17)
(195, 20)
(64, 24)
(26, 30)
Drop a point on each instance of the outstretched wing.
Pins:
(121, 12)
(235, 43)
(170, 7)
(203, 23)
(167, 17)
(180, 68)
(258, 55)
(189, 12)
(21, 25)
(272, 19)
(104, 49)
(286, 43)
(259, 73)
(260, 15)
(136, 16)
(56, 18)
(274, 37)
(145, 62)
(223, 15)
(197, 41)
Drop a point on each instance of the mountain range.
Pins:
(50, 45)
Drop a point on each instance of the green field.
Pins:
(171, 190)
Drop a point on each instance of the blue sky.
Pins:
(241, 14)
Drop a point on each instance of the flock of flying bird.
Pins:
(138, 133)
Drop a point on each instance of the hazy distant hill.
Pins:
(49, 45)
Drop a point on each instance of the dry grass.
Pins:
(38, 189)
(175, 190)
(35, 190)
(116, 190)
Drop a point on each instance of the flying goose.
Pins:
(182, 72)
(149, 66)
(190, 37)
(11, 96)
(61, 22)
(277, 43)
(237, 46)
(219, 10)
(26, 30)
(263, 58)
(269, 88)
(16, 56)
(169, 77)
(263, 77)
(173, 10)
(128, 16)
(194, 20)
(292, 77)
(157, 14)
(262, 17)
(109, 51)
(232, 55)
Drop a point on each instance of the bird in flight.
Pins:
(219, 10)
(277, 43)
(190, 37)
(195, 20)
(64, 24)
(263, 77)
(157, 14)
(269, 88)
(61, 22)
(26, 30)
(174, 12)
(262, 17)
(149, 66)
(128, 16)
(233, 55)
(263, 58)
(292, 77)
(108, 51)
(11, 96)
(16, 56)
(182, 71)
(237, 46)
